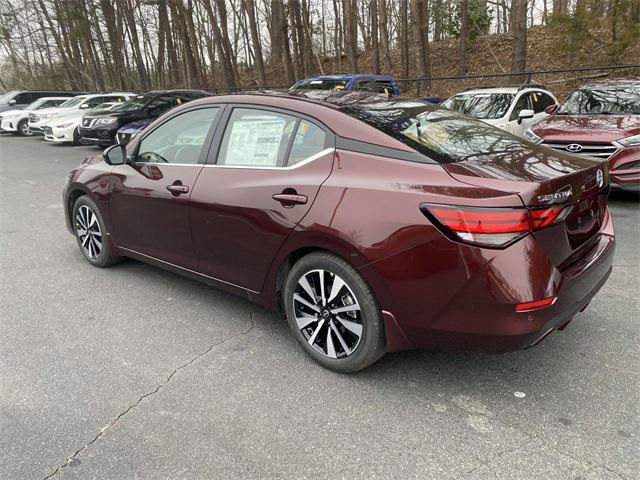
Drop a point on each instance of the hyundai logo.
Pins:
(600, 178)
(574, 147)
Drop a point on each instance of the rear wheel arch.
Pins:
(346, 253)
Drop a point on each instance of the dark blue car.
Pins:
(357, 83)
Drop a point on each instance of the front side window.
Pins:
(179, 140)
(540, 101)
(522, 104)
(256, 138)
(24, 98)
(480, 105)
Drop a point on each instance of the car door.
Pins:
(267, 167)
(149, 201)
(515, 125)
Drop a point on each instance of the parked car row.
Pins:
(600, 119)
(93, 119)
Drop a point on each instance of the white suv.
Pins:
(514, 109)
(74, 108)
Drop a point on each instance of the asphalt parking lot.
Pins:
(135, 373)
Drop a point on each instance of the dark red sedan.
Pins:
(373, 225)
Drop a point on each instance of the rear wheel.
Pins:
(333, 314)
(91, 233)
(22, 128)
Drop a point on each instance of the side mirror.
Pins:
(524, 114)
(115, 155)
(551, 109)
(11, 102)
(84, 105)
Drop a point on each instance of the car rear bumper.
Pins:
(464, 299)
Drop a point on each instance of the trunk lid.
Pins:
(542, 177)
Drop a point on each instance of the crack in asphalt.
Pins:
(591, 465)
(159, 387)
(498, 455)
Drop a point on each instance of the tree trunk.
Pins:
(250, 8)
(384, 36)
(375, 46)
(420, 28)
(351, 34)
(519, 29)
(463, 45)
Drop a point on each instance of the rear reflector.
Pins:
(492, 227)
(535, 305)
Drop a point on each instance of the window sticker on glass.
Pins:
(255, 140)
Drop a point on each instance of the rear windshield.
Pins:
(480, 105)
(442, 135)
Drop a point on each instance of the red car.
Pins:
(373, 225)
(600, 120)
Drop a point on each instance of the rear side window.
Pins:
(256, 138)
(179, 140)
(307, 142)
(376, 86)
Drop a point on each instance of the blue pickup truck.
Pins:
(350, 83)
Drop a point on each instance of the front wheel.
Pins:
(22, 128)
(333, 313)
(91, 233)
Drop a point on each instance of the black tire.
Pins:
(76, 137)
(368, 347)
(98, 257)
(22, 128)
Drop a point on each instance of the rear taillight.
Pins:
(491, 227)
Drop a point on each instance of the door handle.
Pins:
(177, 189)
(288, 200)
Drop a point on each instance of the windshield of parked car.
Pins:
(442, 135)
(480, 105)
(75, 101)
(35, 105)
(605, 100)
(7, 96)
(136, 103)
(320, 85)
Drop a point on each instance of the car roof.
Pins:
(326, 106)
(184, 90)
(612, 82)
(347, 76)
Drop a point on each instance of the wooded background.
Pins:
(228, 45)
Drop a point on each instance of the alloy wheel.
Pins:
(88, 231)
(24, 129)
(327, 313)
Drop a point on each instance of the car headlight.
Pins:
(629, 141)
(532, 137)
(106, 121)
(63, 125)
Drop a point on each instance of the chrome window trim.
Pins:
(310, 159)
